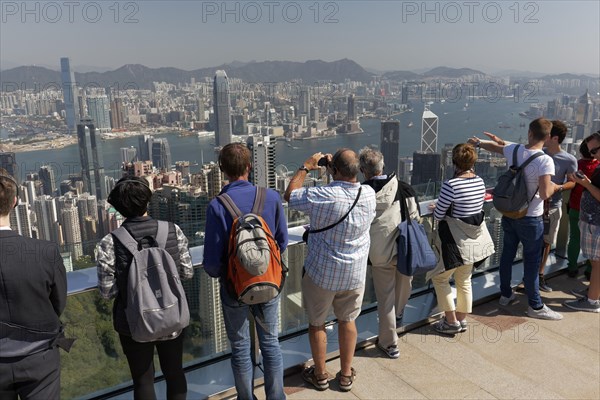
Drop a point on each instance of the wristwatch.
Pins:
(303, 168)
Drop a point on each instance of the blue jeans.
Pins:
(530, 232)
(238, 331)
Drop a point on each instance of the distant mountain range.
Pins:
(140, 76)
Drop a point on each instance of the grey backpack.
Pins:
(510, 194)
(156, 307)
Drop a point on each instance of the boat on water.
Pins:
(410, 124)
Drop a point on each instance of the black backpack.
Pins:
(510, 193)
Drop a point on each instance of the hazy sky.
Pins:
(541, 36)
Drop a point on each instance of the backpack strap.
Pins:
(228, 203)
(162, 234)
(126, 239)
(259, 200)
(531, 158)
(526, 163)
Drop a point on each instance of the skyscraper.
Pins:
(426, 170)
(48, 179)
(98, 111)
(145, 148)
(263, 161)
(92, 163)
(72, 230)
(390, 145)
(161, 154)
(128, 154)
(47, 219)
(583, 110)
(304, 101)
(20, 221)
(69, 94)
(9, 163)
(116, 113)
(221, 105)
(351, 108)
(429, 131)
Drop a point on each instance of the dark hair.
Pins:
(234, 158)
(584, 150)
(346, 163)
(540, 128)
(464, 156)
(559, 129)
(8, 192)
(131, 196)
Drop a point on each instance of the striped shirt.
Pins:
(466, 196)
(337, 257)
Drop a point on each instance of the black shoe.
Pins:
(588, 274)
(573, 273)
(543, 285)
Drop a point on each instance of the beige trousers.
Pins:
(392, 290)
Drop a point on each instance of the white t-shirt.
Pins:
(539, 167)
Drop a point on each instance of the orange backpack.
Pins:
(255, 271)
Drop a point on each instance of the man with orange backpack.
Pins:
(244, 213)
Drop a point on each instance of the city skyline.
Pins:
(489, 36)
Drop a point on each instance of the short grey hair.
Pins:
(371, 161)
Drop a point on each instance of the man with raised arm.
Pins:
(336, 264)
(528, 230)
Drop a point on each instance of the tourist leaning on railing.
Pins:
(130, 197)
(589, 225)
(464, 240)
(392, 288)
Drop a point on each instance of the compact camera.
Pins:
(323, 162)
(578, 174)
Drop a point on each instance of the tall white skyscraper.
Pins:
(263, 161)
(221, 107)
(429, 131)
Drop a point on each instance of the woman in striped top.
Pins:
(459, 210)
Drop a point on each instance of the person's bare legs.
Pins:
(318, 347)
(347, 336)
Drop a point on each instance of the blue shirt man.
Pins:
(234, 161)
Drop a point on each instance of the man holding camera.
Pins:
(336, 264)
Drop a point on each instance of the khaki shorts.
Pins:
(555, 215)
(318, 301)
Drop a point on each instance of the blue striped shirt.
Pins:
(337, 257)
(466, 196)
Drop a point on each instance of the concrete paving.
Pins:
(503, 355)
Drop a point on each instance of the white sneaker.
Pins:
(504, 301)
(544, 313)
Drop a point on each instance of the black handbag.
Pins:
(307, 231)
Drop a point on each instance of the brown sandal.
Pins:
(346, 381)
(319, 381)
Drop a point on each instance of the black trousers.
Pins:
(34, 377)
(140, 357)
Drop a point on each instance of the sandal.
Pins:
(319, 381)
(346, 381)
